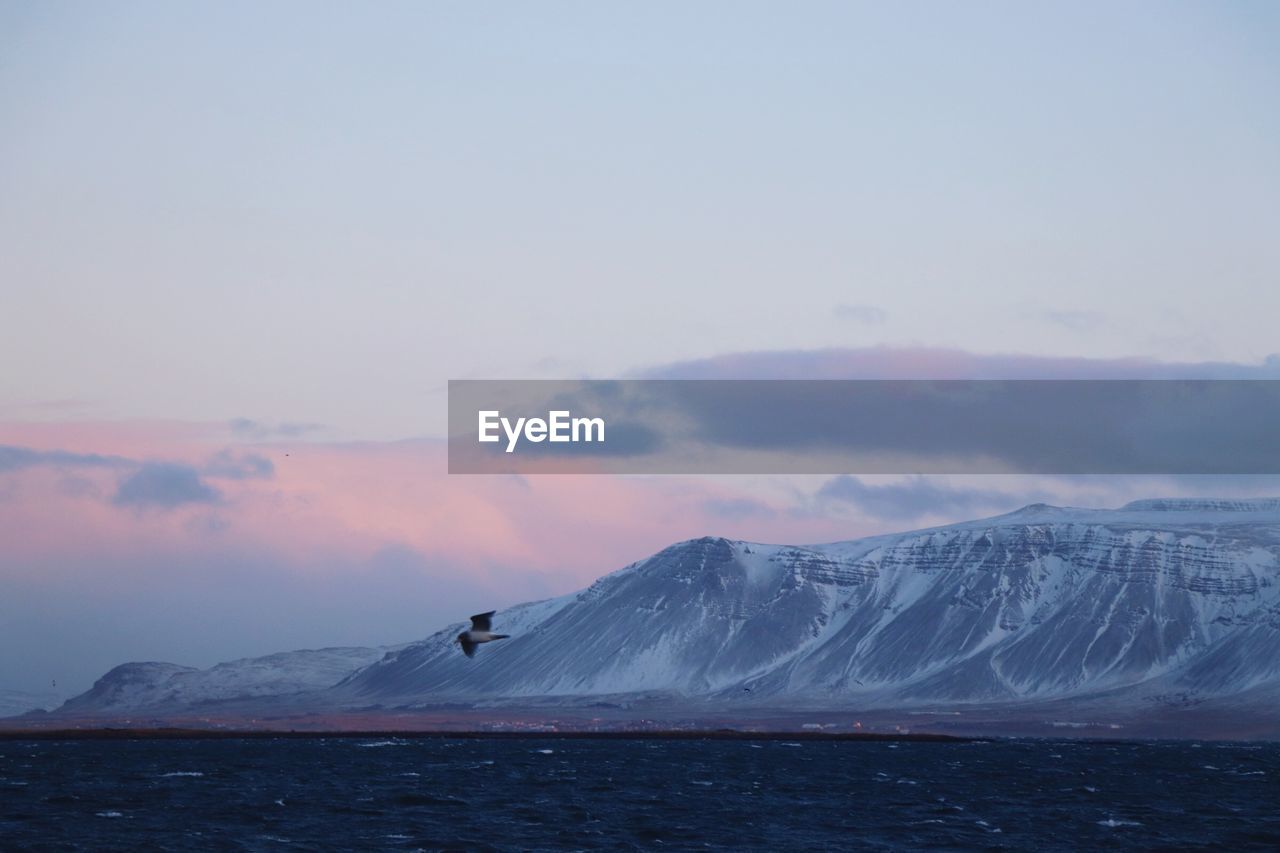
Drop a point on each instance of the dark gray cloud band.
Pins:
(881, 427)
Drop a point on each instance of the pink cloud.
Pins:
(331, 505)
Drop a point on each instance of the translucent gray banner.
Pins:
(864, 426)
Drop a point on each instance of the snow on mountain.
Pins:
(1041, 604)
(14, 702)
(165, 686)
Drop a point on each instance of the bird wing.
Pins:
(469, 648)
(481, 621)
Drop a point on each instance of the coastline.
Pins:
(270, 734)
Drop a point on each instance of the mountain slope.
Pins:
(1155, 599)
(15, 702)
(162, 687)
(1041, 603)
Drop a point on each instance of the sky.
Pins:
(238, 231)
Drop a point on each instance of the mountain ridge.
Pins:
(1161, 597)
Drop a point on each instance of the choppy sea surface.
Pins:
(407, 794)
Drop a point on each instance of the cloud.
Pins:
(259, 430)
(885, 362)
(869, 315)
(919, 496)
(737, 508)
(164, 485)
(224, 464)
(76, 486)
(1076, 321)
(243, 466)
(16, 458)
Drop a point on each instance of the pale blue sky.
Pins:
(316, 213)
(319, 212)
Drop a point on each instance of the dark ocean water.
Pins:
(548, 794)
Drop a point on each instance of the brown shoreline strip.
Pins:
(267, 734)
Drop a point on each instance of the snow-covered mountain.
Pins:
(1158, 598)
(156, 686)
(14, 702)
(1041, 603)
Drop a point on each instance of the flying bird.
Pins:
(480, 632)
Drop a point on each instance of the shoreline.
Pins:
(273, 734)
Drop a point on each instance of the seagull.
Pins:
(479, 633)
